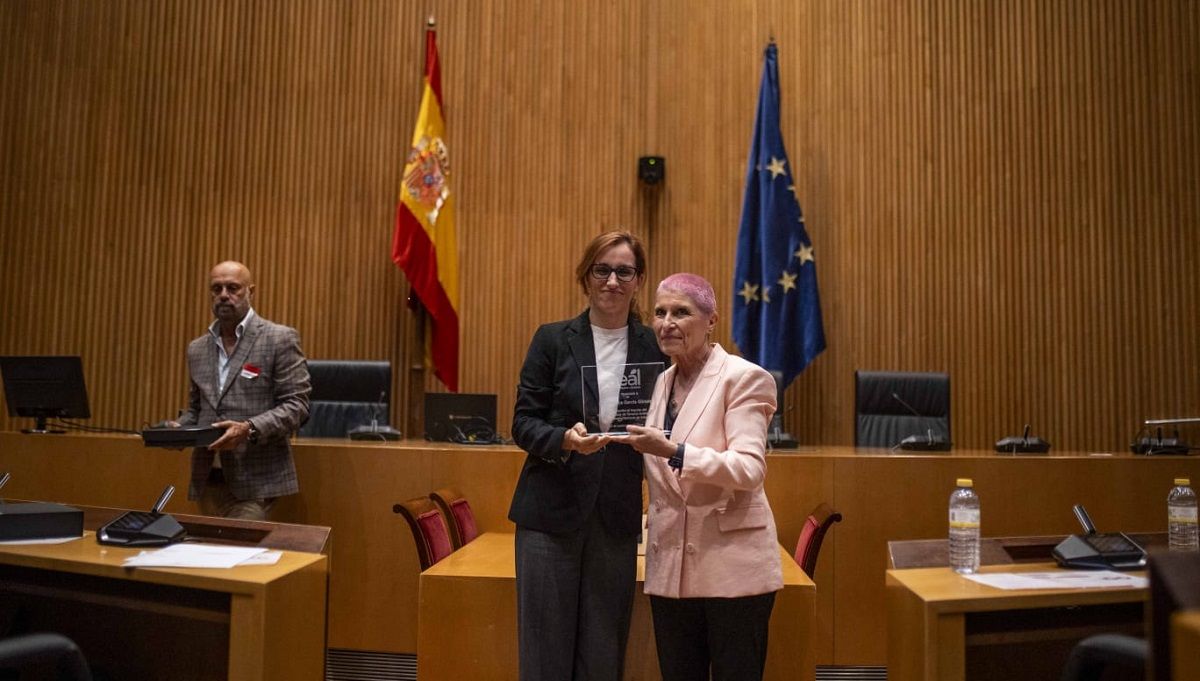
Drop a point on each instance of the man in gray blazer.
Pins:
(248, 376)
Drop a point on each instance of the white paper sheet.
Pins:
(264, 558)
(194, 555)
(1061, 579)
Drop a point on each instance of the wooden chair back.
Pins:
(429, 529)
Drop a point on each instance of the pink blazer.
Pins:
(711, 531)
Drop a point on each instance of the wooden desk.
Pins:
(257, 623)
(468, 619)
(351, 487)
(943, 626)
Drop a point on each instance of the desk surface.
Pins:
(943, 590)
(467, 625)
(86, 556)
(492, 555)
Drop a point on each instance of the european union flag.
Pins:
(776, 311)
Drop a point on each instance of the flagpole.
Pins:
(414, 352)
(414, 359)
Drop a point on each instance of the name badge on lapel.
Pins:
(249, 371)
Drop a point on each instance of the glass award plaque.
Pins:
(629, 389)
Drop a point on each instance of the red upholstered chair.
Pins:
(458, 512)
(429, 529)
(811, 536)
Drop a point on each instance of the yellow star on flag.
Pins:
(776, 167)
(805, 254)
(787, 281)
(749, 292)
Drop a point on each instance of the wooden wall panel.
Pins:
(1002, 190)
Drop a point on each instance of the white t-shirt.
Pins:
(612, 348)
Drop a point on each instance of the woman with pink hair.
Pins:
(712, 558)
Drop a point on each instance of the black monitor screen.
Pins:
(45, 387)
(460, 417)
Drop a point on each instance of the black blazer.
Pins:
(554, 495)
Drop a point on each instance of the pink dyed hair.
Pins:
(693, 286)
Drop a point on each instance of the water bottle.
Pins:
(1181, 516)
(964, 528)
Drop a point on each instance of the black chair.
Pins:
(1174, 586)
(43, 656)
(890, 406)
(1107, 657)
(345, 394)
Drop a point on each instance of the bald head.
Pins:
(232, 291)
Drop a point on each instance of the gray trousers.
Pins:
(574, 599)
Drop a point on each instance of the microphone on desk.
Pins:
(4, 481)
(1160, 444)
(374, 431)
(138, 528)
(1023, 444)
(929, 443)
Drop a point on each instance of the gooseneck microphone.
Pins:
(930, 443)
(374, 431)
(163, 499)
(375, 409)
(1025, 443)
(906, 405)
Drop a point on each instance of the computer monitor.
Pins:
(460, 417)
(44, 387)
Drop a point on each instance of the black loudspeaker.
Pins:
(652, 169)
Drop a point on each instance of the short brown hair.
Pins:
(602, 243)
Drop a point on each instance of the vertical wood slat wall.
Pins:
(1006, 191)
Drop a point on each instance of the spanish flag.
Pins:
(424, 244)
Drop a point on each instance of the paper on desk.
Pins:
(1060, 579)
(264, 558)
(194, 555)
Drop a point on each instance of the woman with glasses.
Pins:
(712, 556)
(578, 502)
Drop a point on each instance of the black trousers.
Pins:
(728, 634)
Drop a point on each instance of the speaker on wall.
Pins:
(652, 169)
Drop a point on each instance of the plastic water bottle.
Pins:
(964, 527)
(1181, 516)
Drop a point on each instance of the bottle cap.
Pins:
(1183, 481)
(966, 482)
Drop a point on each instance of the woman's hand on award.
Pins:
(649, 440)
(577, 439)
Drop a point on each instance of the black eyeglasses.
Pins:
(624, 272)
